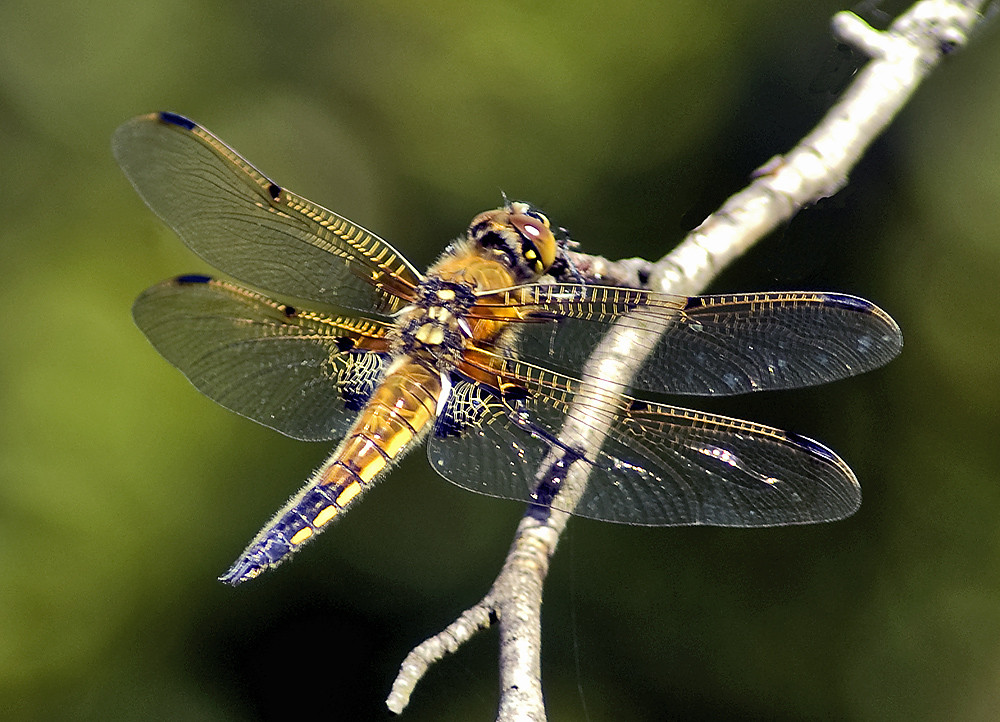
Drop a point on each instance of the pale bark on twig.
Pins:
(900, 58)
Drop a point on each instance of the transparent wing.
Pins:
(707, 345)
(298, 372)
(235, 218)
(659, 466)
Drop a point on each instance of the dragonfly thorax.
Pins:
(434, 326)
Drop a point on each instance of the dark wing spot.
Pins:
(813, 447)
(192, 278)
(515, 395)
(851, 303)
(274, 191)
(178, 120)
(344, 344)
(289, 311)
(638, 406)
(547, 316)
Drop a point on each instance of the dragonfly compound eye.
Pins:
(539, 244)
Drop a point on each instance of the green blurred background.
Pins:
(123, 493)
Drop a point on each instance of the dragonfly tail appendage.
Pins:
(384, 431)
(324, 498)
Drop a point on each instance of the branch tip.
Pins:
(851, 29)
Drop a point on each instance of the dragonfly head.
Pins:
(519, 232)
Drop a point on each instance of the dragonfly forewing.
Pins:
(247, 226)
(707, 345)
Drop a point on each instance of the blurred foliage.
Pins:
(123, 492)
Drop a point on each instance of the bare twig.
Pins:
(816, 168)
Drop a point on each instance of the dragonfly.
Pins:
(483, 356)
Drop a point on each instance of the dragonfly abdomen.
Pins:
(397, 415)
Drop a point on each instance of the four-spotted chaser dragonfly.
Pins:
(483, 355)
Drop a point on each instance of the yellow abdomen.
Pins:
(398, 414)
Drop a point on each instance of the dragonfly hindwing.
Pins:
(470, 406)
(359, 378)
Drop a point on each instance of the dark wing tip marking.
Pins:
(813, 447)
(192, 279)
(852, 303)
(178, 120)
(891, 340)
(274, 190)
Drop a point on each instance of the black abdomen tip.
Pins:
(242, 571)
